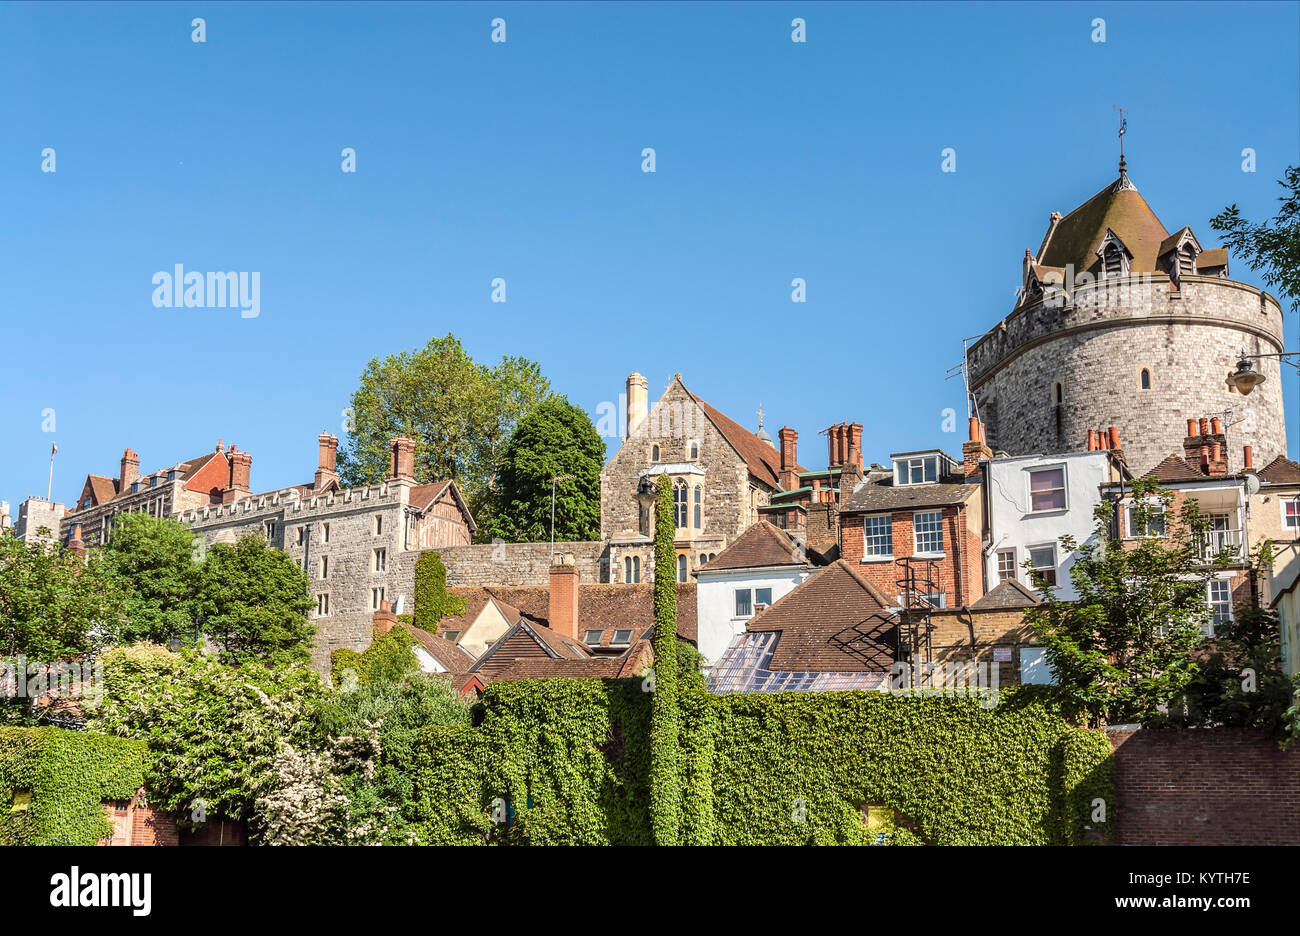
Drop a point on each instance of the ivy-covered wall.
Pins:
(53, 783)
(566, 761)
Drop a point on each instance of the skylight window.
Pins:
(621, 638)
(592, 638)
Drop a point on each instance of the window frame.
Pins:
(1064, 488)
(910, 462)
(888, 538)
(749, 602)
(917, 533)
(1014, 567)
(1034, 571)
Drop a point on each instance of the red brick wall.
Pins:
(1205, 786)
(137, 824)
(960, 576)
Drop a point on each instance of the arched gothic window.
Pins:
(1144, 379)
(654, 453)
(681, 568)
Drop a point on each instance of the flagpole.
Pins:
(49, 491)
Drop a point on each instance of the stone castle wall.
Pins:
(1095, 348)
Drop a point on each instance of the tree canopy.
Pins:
(459, 412)
(556, 439)
(252, 600)
(1272, 246)
(1123, 650)
(155, 562)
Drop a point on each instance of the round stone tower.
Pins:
(1120, 323)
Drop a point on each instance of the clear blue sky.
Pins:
(478, 160)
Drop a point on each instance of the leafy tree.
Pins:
(382, 802)
(153, 560)
(459, 412)
(554, 440)
(665, 792)
(1124, 649)
(1273, 246)
(54, 606)
(1241, 681)
(215, 732)
(252, 600)
(388, 658)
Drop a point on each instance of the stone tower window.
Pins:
(1144, 379)
(654, 453)
(693, 448)
(1058, 393)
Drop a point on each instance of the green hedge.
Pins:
(68, 775)
(571, 758)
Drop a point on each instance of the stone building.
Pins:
(357, 545)
(1119, 322)
(724, 478)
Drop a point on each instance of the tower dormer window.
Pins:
(1115, 257)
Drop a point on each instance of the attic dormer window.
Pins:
(1114, 262)
(1186, 259)
(919, 470)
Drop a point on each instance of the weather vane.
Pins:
(1123, 127)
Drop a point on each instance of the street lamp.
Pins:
(554, 480)
(1245, 378)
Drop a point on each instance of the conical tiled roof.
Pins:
(1119, 208)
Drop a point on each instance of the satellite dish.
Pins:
(1252, 484)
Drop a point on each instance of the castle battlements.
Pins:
(290, 501)
(1137, 299)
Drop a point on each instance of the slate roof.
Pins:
(606, 667)
(760, 546)
(836, 621)
(1010, 595)
(1281, 470)
(1119, 208)
(873, 496)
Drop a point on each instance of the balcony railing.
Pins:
(1216, 541)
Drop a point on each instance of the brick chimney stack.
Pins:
(562, 614)
(854, 431)
(384, 619)
(75, 544)
(1206, 447)
(1248, 458)
(976, 450)
(325, 460)
(130, 471)
(789, 440)
(241, 468)
(402, 465)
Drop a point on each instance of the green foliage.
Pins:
(253, 601)
(432, 603)
(214, 731)
(555, 439)
(153, 560)
(1273, 246)
(52, 605)
(665, 789)
(569, 762)
(459, 412)
(1241, 681)
(380, 791)
(53, 783)
(1123, 649)
(388, 658)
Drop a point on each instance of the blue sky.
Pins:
(522, 160)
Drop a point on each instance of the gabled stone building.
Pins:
(723, 477)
